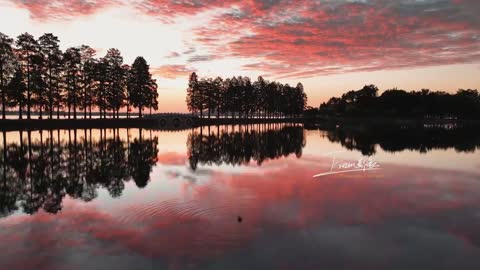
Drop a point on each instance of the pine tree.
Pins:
(72, 61)
(191, 91)
(7, 68)
(141, 85)
(37, 83)
(27, 49)
(16, 92)
(99, 74)
(87, 63)
(153, 96)
(116, 81)
(49, 46)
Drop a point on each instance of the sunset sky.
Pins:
(330, 46)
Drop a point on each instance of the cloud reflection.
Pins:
(401, 217)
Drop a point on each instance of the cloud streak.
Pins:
(311, 38)
(50, 10)
(304, 38)
(172, 71)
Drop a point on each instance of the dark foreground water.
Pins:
(241, 197)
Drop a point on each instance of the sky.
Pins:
(331, 46)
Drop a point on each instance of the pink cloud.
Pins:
(312, 38)
(58, 10)
(172, 71)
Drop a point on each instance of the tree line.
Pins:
(464, 104)
(39, 173)
(37, 74)
(241, 97)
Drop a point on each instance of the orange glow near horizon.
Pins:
(331, 47)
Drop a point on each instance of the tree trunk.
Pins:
(74, 108)
(28, 104)
(74, 88)
(51, 110)
(3, 91)
(140, 112)
(20, 116)
(3, 103)
(50, 98)
(28, 86)
(85, 109)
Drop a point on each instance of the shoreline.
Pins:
(390, 121)
(47, 124)
(186, 122)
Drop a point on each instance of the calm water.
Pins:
(240, 197)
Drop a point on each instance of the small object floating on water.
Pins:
(239, 219)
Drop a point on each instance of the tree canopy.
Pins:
(464, 104)
(241, 97)
(36, 75)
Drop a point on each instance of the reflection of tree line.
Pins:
(393, 138)
(39, 173)
(259, 143)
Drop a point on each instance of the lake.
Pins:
(241, 197)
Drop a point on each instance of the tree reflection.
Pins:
(38, 173)
(397, 138)
(257, 143)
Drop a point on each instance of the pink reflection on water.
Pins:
(198, 223)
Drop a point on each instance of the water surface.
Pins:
(240, 197)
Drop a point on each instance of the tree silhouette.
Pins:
(218, 95)
(50, 79)
(191, 92)
(116, 81)
(16, 92)
(152, 96)
(142, 87)
(49, 46)
(260, 95)
(465, 104)
(100, 70)
(7, 68)
(72, 62)
(240, 96)
(27, 54)
(87, 70)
